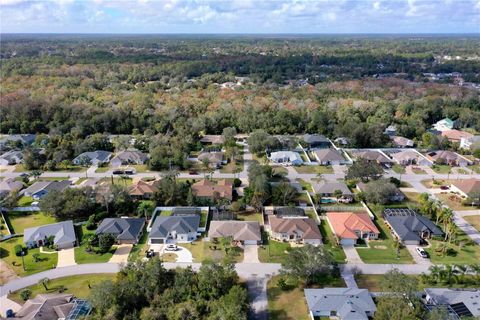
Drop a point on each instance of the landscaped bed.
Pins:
(82, 256)
(78, 285)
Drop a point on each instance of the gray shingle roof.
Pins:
(164, 225)
(329, 155)
(99, 156)
(349, 303)
(330, 187)
(47, 185)
(408, 225)
(123, 228)
(315, 138)
(62, 231)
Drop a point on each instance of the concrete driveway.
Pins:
(415, 256)
(183, 254)
(250, 253)
(121, 254)
(66, 257)
(352, 254)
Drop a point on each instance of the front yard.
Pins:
(443, 169)
(77, 285)
(398, 168)
(82, 256)
(208, 251)
(330, 243)
(272, 251)
(43, 262)
(461, 251)
(454, 201)
(314, 169)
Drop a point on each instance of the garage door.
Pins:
(250, 242)
(156, 241)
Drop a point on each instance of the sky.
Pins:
(240, 16)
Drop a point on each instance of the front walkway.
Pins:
(250, 253)
(66, 257)
(121, 254)
(7, 304)
(352, 254)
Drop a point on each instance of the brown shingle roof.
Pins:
(209, 189)
(239, 230)
(142, 188)
(292, 225)
(468, 185)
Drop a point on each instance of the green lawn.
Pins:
(19, 221)
(138, 250)
(475, 168)
(314, 169)
(77, 285)
(233, 166)
(205, 250)
(125, 182)
(474, 221)
(7, 253)
(417, 170)
(53, 178)
(247, 216)
(273, 251)
(20, 168)
(330, 243)
(82, 256)
(79, 181)
(102, 169)
(372, 282)
(463, 254)
(25, 201)
(444, 169)
(398, 169)
(305, 185)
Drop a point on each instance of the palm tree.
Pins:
(436, 273)
(64, 164)
(460, 270)
(44, 282)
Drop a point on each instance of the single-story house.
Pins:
(129, 157)
(328, 188)
(329, 157)
(373, 156)
(402, 142)
(23, 139)
(410, 157)
(125, 230)
(288, 157)
(143, 189)
(456, 135)
(467, 143)
(410, 227)
(444, 125)
(448, 157)
(461, 302)
(212, 139)
(397, 197)
(96, 158)
(349, 227)
(174, 228)
(246, 232)
(316, 141)
(207, 189)
(10, 185)
(341, 303)
(63, 233)
(466, 187)
(288, 212)
(41, 188)
(53, 306)
(11, 158)
(215, 159)
(295, 229)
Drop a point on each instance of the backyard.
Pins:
(253, 216)
(78, 285)
(43, 262)
(20, 220)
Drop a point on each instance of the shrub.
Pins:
(237, 182)
(282, 284)
(105, 242)
(25, 294)
(18, 250)
(90, 225)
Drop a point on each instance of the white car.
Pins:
(171, 247)
(422, 253)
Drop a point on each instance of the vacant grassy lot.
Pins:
(77, 285)
(20, 220)
(474, 221)
(372, 282)
(314, 169)
(45, 261)
(330, 243)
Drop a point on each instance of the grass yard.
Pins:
(77, 285)
(330, 243)
(441, 168)
(80, 180)
(126, 182)
(286, 305)
(82, 256)
(302, 198)
(25, 201)
(372, 282)
(305, 185)
(45, 261)
(20, 168)
(248, 216)
(417, 170)
(233, 166)
(168, 257)
(19, 221)
(138, 250)
(436, 183)
(314, 169)
(273, 251)
(464, 254)
(474, 221)
(204, 251)
(398, 168)
(453, 201)
(280, 171)
(53, 178)
(475, 168)
(102, 169)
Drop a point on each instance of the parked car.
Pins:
(444, 187)
(150, 253)
(171, 247)
(117, 172)
(192, 172)
(129, 171)
(422, 253)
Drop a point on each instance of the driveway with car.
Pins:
(412, 249)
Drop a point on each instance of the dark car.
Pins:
(444, 187)
(118, 172)
(150, 253)
(192, 172)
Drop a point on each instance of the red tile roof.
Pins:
(344, 224)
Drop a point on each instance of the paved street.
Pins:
(66, 257)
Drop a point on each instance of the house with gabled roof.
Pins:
(62, 232)
(212, 139)
(211, 190)
(245, 232)
(215, 159)
(295, 229)
(41, 188)
(460, 302)
(329, 157)
(466, 187)
(402, 142)
(373, 156)
(174, 228)
(328, 189)
(95, 158)
(349, 227)
(444, 125)
(129, 157)
(340, 303)
(10, 185)
(448, 157)
(286, 157)
(125, 230)
(456, 135)
(11, 158)
(316, 141)
(410, 157)
(143, 189)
